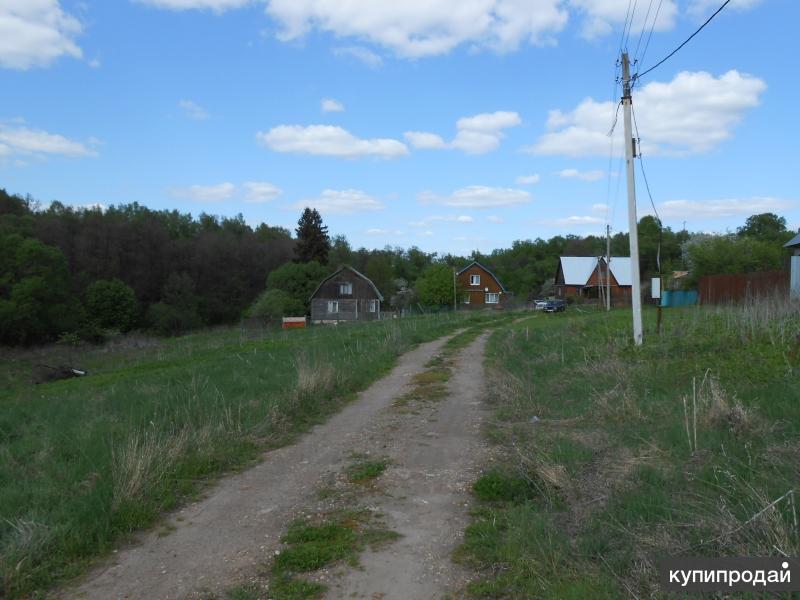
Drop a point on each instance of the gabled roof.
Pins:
(793, 243)
(476, 263)
(343, 268)
(578, 269)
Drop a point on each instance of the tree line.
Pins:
(89, 272)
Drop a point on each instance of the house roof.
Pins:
(578, 269)
(345, 267)
(793, 243)
(475, 262)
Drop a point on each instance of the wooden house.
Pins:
(346, 295)
(481, 288)
(584, 276)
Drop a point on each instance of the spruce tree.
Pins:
(313, 242)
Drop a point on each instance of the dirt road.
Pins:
(433, 452)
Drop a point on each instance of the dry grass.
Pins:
(314, 377)
(143, 460)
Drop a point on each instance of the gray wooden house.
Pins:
(347, 295)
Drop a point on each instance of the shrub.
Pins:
(112, 304)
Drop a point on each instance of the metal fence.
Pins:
(727, 289)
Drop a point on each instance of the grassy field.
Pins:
(86, 462)
(614, 456)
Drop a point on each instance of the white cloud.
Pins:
(193, 110)
(341, 202)
(599, 207)
(328, 140)
(691, 114)
(331, 105)
(602, 17)
(425, 140)
(574, 221)
(730, 207)
(705, 8)
(478, 134)
(594, 175)
(260, 191)
(204, 193)
(34, 33)
(528, 179)
(417, 28)
(478, 196)
(495, 219)
(22, 140)
(361, 54)
(426, 221)
(217, 6)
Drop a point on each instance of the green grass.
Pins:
(86, 462)
(601, 474)
(366, 470)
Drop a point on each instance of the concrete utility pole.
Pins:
(636, 295)
(608, 267)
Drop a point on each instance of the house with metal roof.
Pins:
(584, 276)
(794, 273)
(346, 295)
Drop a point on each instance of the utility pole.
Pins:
(608, 267)
(633, 230)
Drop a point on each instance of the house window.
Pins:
(346, 289)
(474, 279)
(492, 298)
(373, 306)
(466, 298)
(333, 307)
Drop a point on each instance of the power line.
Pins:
(652, 27)
(641, 33)
(649, 194)
(686, 41)
(624, 27)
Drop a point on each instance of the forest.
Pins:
(87, 273)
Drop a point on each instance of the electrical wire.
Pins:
(641, 33)
(686, 41)
(649, 194)
(652, 27)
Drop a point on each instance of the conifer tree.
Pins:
(313, 242)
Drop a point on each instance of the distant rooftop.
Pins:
(793, 243)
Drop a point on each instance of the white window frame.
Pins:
(492, 294)
(345, 288)
(333, 307)
(474, 279)
(372, 306)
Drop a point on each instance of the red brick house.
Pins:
(480, 287)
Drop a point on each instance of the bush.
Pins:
(112, 305)
(274, 304)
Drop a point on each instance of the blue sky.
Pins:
(451, 125)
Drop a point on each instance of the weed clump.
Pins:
(367, 470)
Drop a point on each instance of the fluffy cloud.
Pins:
(594, 175)
(601, 17)
(704, 8)
(417, 28)
(528, 179)
(712, 209)
(193, 110)
(495, 219)
(574, 221)
(361, 54)
(425, 222)
(218, 6)
(331, 105)
(478, 196)
(478, 134)
(34, 33)
(691, 114)
(260, 191)
(341, 202)
(328, 140)
(204, 193)
(22, 140)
